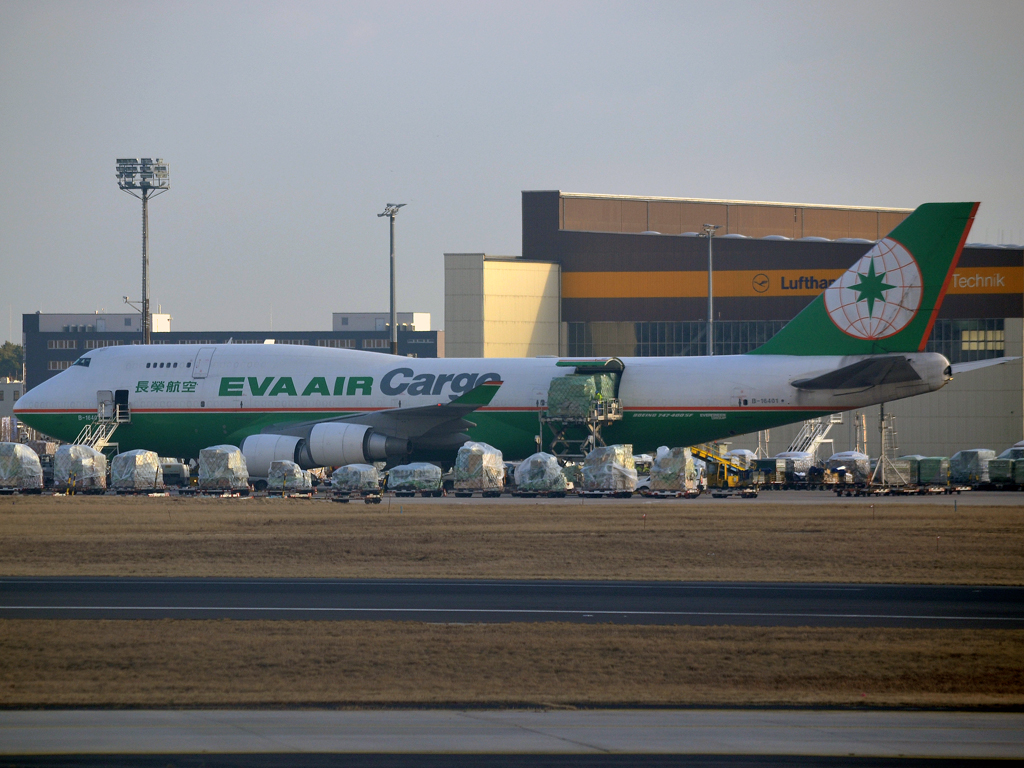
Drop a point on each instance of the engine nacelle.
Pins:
(334, 444)
(260, 450)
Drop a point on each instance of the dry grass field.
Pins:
(698, 540)
(275, 663)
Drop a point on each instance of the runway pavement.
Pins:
(600, 734)
(453, 601)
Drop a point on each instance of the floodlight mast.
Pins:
(144, 178)
(391, 210)
(709, 233)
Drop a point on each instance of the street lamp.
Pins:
(391, 210)
(144, 178)
(709, 232)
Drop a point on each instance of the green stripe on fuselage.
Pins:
(183, 435)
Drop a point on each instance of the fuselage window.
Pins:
(175, 365)
(161, 365)
(147, 365)
(188, 365)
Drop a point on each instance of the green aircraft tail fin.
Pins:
(887, 301)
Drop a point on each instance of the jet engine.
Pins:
(328, 445)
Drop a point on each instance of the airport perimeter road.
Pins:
(753, 604)
(505, 738)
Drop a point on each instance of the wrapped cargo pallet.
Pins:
(933, 470)
(1016, 452)
(356, 478)
(899, 472)
(741, 456)
(418, 476)
(42, 447)
(222, 468)
(914, 467)
(970, 467)
(136, 470)
(19, 467)
(609, 469)
(79, 467)
(541, 473)
(479, 467)
(673, 470)
(570, 397)
(285, 475)
(797, 462)
(1001, 471)
(855, 464)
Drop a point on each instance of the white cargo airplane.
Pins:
(859, 343)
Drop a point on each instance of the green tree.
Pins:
(11, 358)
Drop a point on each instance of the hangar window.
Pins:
(964, 341)
(59, 365)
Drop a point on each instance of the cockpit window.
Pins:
(82, 361)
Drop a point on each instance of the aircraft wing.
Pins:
(863, 374)
(429, 426)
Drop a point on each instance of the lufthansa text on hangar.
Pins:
(622, 275)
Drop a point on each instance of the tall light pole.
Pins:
(144, 178)
(709, 233)
(391, 210)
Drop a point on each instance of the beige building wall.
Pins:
(500, 306)
(978, 409)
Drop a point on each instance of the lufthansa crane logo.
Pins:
(760, 282)
(879, 295)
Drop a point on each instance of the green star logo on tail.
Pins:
(871, 288)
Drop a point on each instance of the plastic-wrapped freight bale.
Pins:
(933, 470)
(136, 470)
(857, 465)
(479, 467)
(673, 470)
(746, 459)
(610, 469)
(356, 478)
(570, 397)
(1000, 471)
(416, 477)
(285, 475)
(80, 467)
(970, 467)
(797, 462)
(222, 468)
(541, 473)
(20, 468)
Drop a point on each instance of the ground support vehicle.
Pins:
(368, 497)
(606, 494)
(734, 493)
(690, 493)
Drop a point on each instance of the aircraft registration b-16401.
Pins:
(859, 343)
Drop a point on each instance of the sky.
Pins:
(288, 126)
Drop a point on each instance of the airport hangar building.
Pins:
(613, 275)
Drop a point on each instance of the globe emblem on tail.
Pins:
(879, 295)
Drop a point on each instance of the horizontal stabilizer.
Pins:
(872, 372)
(976, 364)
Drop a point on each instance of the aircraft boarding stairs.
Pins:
(814, 432)
(97, 434)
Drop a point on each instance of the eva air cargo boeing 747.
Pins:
(859, 343)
